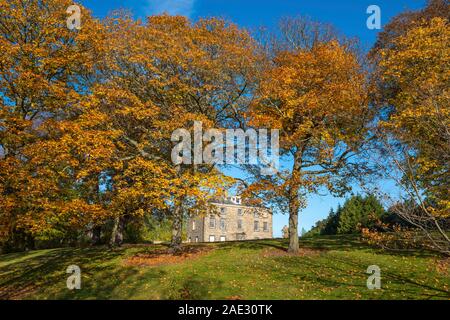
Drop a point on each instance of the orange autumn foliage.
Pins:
(317, 98)
(87, 115)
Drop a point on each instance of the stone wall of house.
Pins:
(224, 225)
(195, 230)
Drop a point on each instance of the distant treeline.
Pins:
(356, 213)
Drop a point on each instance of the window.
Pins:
(222, 224)
(196, 239)
(193, 225)
(266, 226)
(240, 236)
(256, 225)
(256, 214)
(222, 211)
(239, 212)
(239, 224)
(212, 222)
(212, 238)
(189, 240)
(223, 238)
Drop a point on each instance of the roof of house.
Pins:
(235, 201)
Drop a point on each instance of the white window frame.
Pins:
(212, 218)
(224, 227)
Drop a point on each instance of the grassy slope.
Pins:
(335, 271)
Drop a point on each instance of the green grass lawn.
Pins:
(331, 268)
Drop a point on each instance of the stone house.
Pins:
(231, 221)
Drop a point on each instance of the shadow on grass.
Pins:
(116, 283)
(354, 241)
(33, 272)
(194, 287)
(253, 244)
(338, 242)
(341, 242)
(330, 274)
(43, 273)
(401, 279)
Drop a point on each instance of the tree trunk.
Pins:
(294, 202)
(96, 235)
(177, 226)
(117, 232)
(120, 230)
(29, 242)
(112, 240)
(293, 221)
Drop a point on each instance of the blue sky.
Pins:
(348, 16)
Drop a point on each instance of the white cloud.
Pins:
(172, 7)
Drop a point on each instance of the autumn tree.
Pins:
(411, 78)
(403, 22)
(418, 111)
(162, 75)
(87, 115)
(314, 92)
(45, 69)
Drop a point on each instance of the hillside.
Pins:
(327, 268)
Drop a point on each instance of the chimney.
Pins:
(236, 200)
